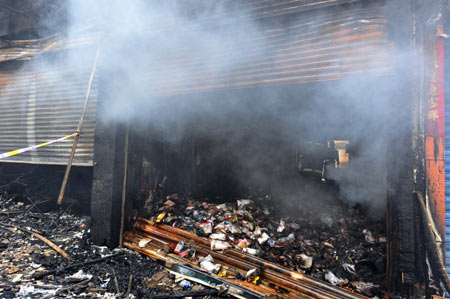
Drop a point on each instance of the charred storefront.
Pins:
(289, 148)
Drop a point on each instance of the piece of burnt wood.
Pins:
(116, 282)
(124, 185)
(182, 294)
(406, 263)
(96, 290)
(130, 281)
(39, 236)
(79, 129)
(80, 284)
(73, 266)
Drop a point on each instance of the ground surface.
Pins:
(344, 240)
(22, 255)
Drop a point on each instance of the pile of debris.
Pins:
(49, 255)
(344, 248)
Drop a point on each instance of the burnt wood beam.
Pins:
(108, 174)
(107, 183)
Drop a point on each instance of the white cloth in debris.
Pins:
(79, 276)
(207, 263)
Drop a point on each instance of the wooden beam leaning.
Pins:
(80, 126)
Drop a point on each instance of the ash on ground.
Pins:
(321, 237)
(23, 257)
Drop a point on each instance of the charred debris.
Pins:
(292, 237)
(345, 248)
(254, 247)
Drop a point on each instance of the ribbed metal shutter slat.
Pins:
(338, 44)
(40, 105)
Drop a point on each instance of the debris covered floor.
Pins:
(319, 237)
(89, 272)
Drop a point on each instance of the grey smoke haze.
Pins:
(140, 46)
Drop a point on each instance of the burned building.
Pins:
(189, 102)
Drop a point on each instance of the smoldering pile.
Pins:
(32, 268)
(341, 246)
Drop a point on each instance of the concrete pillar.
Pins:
(106, 196)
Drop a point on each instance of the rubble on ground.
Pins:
(341, 245)
(25, 258)
(328, 240)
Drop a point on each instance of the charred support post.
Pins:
(107, 185)
(405, 264)
(108, 178)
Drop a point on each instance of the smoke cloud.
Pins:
(145, 44)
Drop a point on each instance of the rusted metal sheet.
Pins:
(331, 46)
(41, 104)
(434, 139)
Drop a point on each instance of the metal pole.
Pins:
(124, 186)
(80, 125)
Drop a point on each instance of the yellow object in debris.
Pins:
(222, 273)
(257, 280)
(160, 217)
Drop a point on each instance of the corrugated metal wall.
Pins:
(40, 105)
(328, 45)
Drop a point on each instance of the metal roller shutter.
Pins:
(259, 8)
(337, 44)
(38, 106)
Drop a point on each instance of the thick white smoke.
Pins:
(140, 50)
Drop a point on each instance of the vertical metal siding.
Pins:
(444, 60)
(37, 106)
